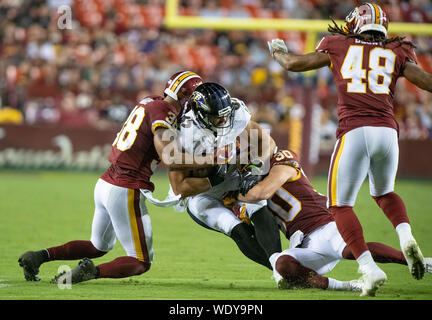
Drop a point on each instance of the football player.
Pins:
(366, 65)
(315, 244)
(120, 193)
(216, 119)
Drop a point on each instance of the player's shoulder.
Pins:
(286, 157)
(331, 41)
(153, 101)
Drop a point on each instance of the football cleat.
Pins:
(30, 261)
(371, 279)
(354, 285)
(428, 264)
(414, 258)
(84, 271)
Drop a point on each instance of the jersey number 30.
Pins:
(379, 76)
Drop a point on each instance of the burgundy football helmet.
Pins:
(181, 85)
(367, 17)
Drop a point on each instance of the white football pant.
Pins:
(122, 213)
(210, 212)
(320, 250)
(364, 151)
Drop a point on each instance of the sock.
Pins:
(393, 207)
(404, 232)
(266, 231)
(385, 254)
(299, 275)
(122, 267)
(365, 259)
(74, 250)
(350, 229)
(380, 253)
(334, 284)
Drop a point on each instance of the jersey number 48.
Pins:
(379, 75)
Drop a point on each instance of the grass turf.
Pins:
(43, 209)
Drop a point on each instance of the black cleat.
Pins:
(84, 271)
(30, 261)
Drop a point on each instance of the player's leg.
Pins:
(211, 214)
(266, 230)
(317, 255)
(381, 253)
(382, 174)
(132, 226)
(348, 169)
(77, 249)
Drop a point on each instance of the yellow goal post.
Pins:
(311, 27)
(299, 129)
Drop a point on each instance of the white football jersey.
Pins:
(195, 139)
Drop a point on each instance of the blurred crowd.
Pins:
(88, 66)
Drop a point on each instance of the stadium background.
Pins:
(64, 91)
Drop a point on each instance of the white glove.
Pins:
(276, 44)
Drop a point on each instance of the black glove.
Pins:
(249, 177)
(217, 175)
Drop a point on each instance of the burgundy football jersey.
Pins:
(133, 155)
(296, 204)
(365, 74)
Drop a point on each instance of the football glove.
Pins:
(276, 44)
(249, 177)
(217, 175)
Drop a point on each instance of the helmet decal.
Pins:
(199, 99)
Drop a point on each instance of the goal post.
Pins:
(300, 129)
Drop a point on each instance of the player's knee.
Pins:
(287, 266)
(388, 195)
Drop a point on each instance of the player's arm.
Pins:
(297, 62)
(302, 62)
(416, 75)
(185, 185)
(265, 145)
(172, 157)
(264, 190)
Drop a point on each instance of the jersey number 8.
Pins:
(381, 68)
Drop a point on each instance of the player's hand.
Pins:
(249, 177)
(276, 44)
(217, 175)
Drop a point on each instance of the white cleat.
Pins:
(414, 258)
(355, 285)
(371, 280)
(428, 264)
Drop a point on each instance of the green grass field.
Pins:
(43, 209)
